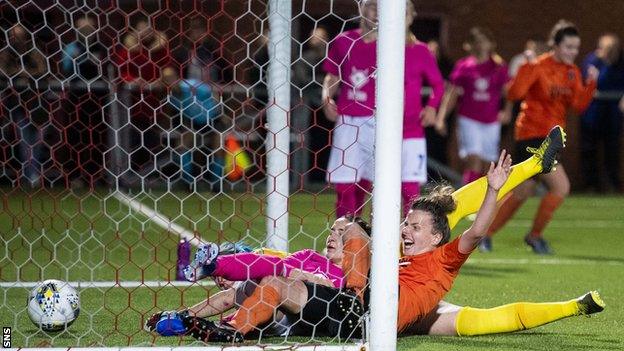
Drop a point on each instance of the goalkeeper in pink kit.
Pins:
(350, 67)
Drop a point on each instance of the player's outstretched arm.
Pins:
(497, 176)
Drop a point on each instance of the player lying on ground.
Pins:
(307, 264)
(442, 318)
(431, 263)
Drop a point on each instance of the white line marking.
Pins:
(572, 224)
(354, 347)
(114, 284)
(158, 218)
(543, 261)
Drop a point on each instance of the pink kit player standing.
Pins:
(350, 67)
(481, 78)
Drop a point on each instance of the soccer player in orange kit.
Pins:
(549, 85)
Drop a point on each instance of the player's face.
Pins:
(608, 48)
(333, 244)
(568, 49)
(483, 46)
(417, 233)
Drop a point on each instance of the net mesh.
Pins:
(128, 125)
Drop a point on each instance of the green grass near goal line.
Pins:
(586, 235)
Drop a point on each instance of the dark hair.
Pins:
(439, 203)
(561, 30)
(361, 222)
(476, 32)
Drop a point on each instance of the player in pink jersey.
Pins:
(420, 67)
(308, 265)
(350, 68)
(477, 84)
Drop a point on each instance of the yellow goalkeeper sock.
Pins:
(271, 252)
(470, 197)
(513, 317)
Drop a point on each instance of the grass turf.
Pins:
(93, 237)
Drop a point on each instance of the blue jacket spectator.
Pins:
(602, 122)
(196, 101)
(199, 108)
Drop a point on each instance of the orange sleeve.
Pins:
(450, 257)
(527, 75)
(583, 94)
(356, 263)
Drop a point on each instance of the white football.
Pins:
(53, 305)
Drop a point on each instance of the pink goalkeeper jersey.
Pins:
(420, 67)
(312, 262)
(482, 84)
(354, 61)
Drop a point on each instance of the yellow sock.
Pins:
(470, 197)
(513, 317)
(271, 252)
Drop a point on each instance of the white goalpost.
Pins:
(387, 191)
(278, 130)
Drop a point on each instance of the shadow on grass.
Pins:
(517, 341)
(490, 271)
(594, 258)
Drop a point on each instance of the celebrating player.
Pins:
(426, 275)
(549, 86)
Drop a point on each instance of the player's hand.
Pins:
(497, 174)
(530, 56)
(428, 116)
(223, 283)
(621, 104)
(504, 117)
(440, 126)
(331, 110)
(592, 73)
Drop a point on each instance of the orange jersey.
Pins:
(424, 280)
(549, 88)
(356, 264)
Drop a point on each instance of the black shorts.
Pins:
(520, 150)
(329, 312)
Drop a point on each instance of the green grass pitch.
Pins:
(93, 237)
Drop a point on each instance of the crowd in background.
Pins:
(172, 86)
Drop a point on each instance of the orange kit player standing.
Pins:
(549, 85)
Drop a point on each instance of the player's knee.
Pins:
(561, 188)
(269, 281)
(525, 191)
(277, 283)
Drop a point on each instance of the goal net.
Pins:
(134, 131)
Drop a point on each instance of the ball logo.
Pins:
(47, 297)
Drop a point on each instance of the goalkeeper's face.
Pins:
(417, 234)
(333, 244)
